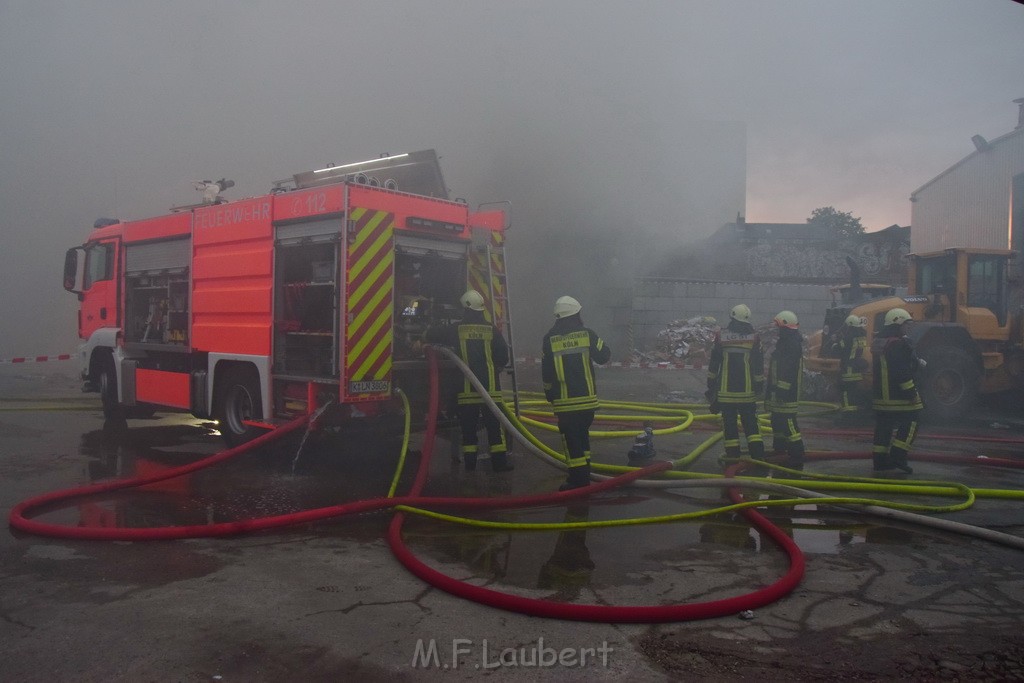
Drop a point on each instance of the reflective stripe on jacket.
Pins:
(894, 366)
(569, 352)
(736, 366)
(482, 347)
(852, 363)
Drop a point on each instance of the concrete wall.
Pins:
(659, 301)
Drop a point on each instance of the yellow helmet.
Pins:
(787, 319)
(472, 300)
(566, 306)
(740, 312)
(856, 321)
(897, 316)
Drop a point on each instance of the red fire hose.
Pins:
(658, 613)
(603, 613)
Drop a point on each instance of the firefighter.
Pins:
(785, 375)
(896, 401)
(735, 380)
(482, 347)
(568, 353)
(849, 348)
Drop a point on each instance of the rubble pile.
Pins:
(689, 342)
(683, 341)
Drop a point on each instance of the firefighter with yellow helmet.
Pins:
(896, 401)
(736, 380)
(568, 353)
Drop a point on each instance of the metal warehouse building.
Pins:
(977, 202)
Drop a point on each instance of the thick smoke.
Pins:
(616, 131)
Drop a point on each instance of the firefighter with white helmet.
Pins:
(568, 353)
(896, 400)
(566, 306)
(785, 375)
(482, 347)
(472, 300)
(849, 347)
(736, 380)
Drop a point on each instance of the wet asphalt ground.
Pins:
(880, 600)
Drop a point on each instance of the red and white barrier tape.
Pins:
(663, 365)
(35, 359)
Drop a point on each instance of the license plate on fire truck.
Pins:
(369, 387)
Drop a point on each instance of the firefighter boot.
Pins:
(796, 456)
(898, 456)
(500, 463)
(578, 478)
(469, 460)
(882, 460)
(779, 456)
(732, 454)
(756, 449)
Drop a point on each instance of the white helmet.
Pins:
(897, 316)
(472, 300)
(566, 306)
(740, 312)
(856, 321)
(787, 319)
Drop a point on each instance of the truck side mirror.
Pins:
(74, 268)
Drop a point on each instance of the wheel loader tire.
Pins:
(949, 383)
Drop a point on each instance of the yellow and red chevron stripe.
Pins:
(369, 303)
(498, 276)
(478, 272)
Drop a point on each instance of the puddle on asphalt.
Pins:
(254, 485)
(262, 484)
(566, 561)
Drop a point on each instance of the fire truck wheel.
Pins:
(239, 401)
(112, 409)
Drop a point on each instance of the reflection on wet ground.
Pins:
(566, 565)
(263, 483)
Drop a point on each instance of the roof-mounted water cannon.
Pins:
(211, 189)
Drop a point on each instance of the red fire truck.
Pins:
(252, 312)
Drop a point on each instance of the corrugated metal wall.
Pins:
(969, 204)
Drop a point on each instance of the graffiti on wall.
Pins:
(795, 260)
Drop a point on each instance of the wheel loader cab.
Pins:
(964, 286)
(965, 327)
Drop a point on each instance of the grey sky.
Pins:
(112, 108)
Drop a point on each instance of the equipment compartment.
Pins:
(157, 308)
(305, 301)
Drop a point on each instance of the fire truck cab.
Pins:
(252, 312)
